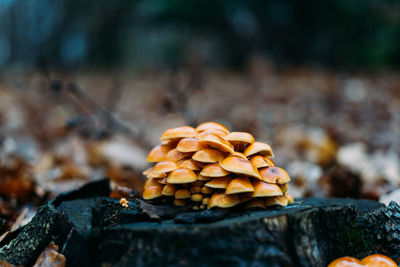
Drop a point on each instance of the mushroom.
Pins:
(163, 167)
(258, 162)
(219, 182)
(214, 132)
(197, 197)
(158, 153)
(240, 166)
(284, 187)
(256, 204)
(203, 178)
(169, 190)
(262, 149)
(211, 126)
(175, 155)
(262, 189)
(345, 261)
(208, 155)
(222, 200)
(163, 181)
(239, 185)
(214, 170)
(189, 164)
(189, 144)
(205, 201)
(206, 190)
(240, 140)
(147, 171)
(290, 198)
(238, 154)
(179, 132)
(270, 161)
(182, 194)
(150, 182)
(274, 175)
(181, 176)
(153, 175)
(378, 260)
(152, 192)
(276, 201)
(217, 142)
(124, 203)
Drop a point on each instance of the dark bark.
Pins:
(94, 230)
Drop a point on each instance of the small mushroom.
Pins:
(274, 175)
(158, 153)
(222, 200)
(197, 197)
(276, 201)
(256, 204)
(124, 203)
(163, 167)
(208, 155)
(195, 189)
(239, 185)
(217, 142)
(258, 162)
(260, 148)
(211, 126)
(189, 144)
(169, 190)
(152, 192)
(175, 155)
(182, 194)
(205, 201)
(345, 261)
(179, 132)
(214, 170)
(240, 140)
(262, 189)
(153, 175)
(240, 166)
(181, 176)
(219, 182)
(206, 190)
(290, 198)
(189, 164)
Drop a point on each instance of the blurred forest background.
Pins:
(87, 87)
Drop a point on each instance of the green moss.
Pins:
(351, 238)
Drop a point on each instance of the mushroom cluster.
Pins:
(209, 166)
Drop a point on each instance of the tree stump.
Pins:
(94, 230)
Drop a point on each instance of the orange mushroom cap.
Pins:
(217, 142)
(181, 176)
(189, 164)
(153, 175)
(147, 171)
(208, 155)
(240, 139)
(258, 162)
(256, 204)
(223, 201)
(212, 126)
(378, 260)
(274, 175)
(219, 182)
(150, 182)
(158, 153)
(214, 170)
(175, 155)
(290, 198)
(219, 133)
(182, 194)
(270, 161)
(164, 167)
(277, 201)
(345, 262)
(239, 185)
(259, 148)
(189, 144)
(239, 165)
(152, 192)
(179, 132)
(169, 190)
(262, 189)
